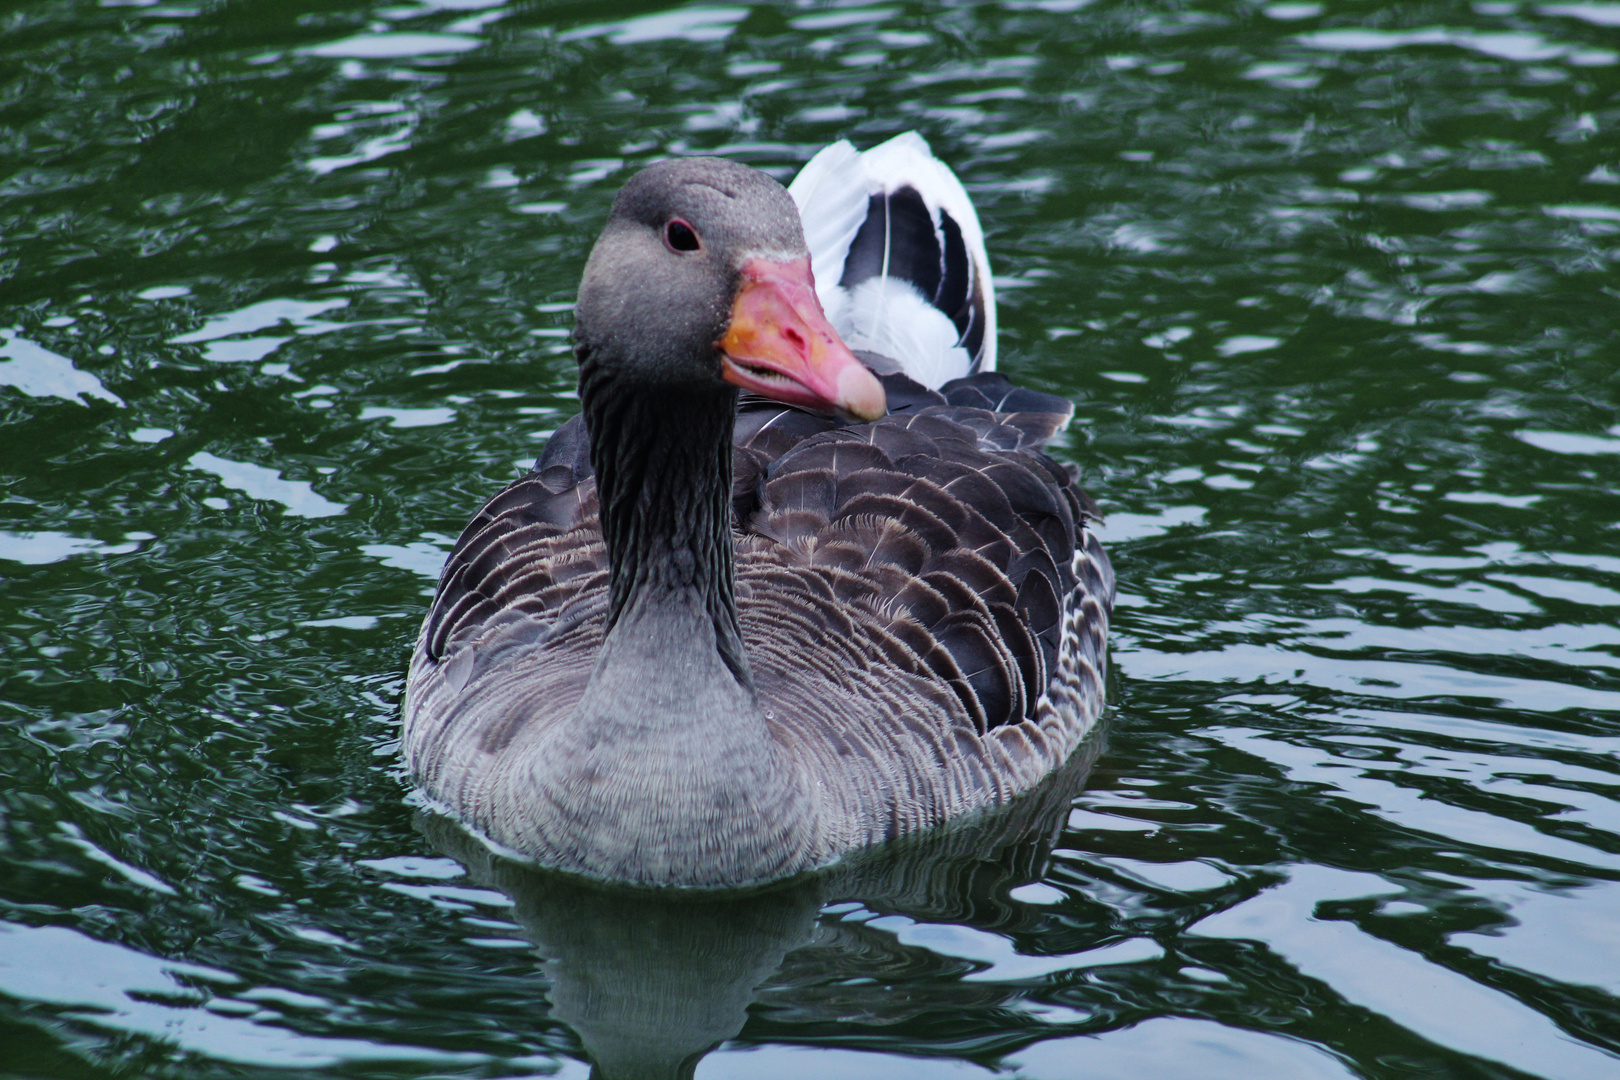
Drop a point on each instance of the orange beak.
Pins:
(780, 345)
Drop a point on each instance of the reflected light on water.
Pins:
(286, 291)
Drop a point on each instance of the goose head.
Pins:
(702, 277)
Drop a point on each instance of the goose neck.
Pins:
(662, 458)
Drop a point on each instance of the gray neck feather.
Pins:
(662, 460)
(668, 773)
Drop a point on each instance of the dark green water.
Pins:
(1333, 285)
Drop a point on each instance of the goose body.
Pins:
(714, 639)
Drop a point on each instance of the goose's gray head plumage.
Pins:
(702, 277)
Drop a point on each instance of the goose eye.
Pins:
(680, 236)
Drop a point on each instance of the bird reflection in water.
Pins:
(651, 982)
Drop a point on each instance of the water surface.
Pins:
(284, 294)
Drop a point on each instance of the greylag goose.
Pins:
(767, 601)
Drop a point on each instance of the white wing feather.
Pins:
(888, 315)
